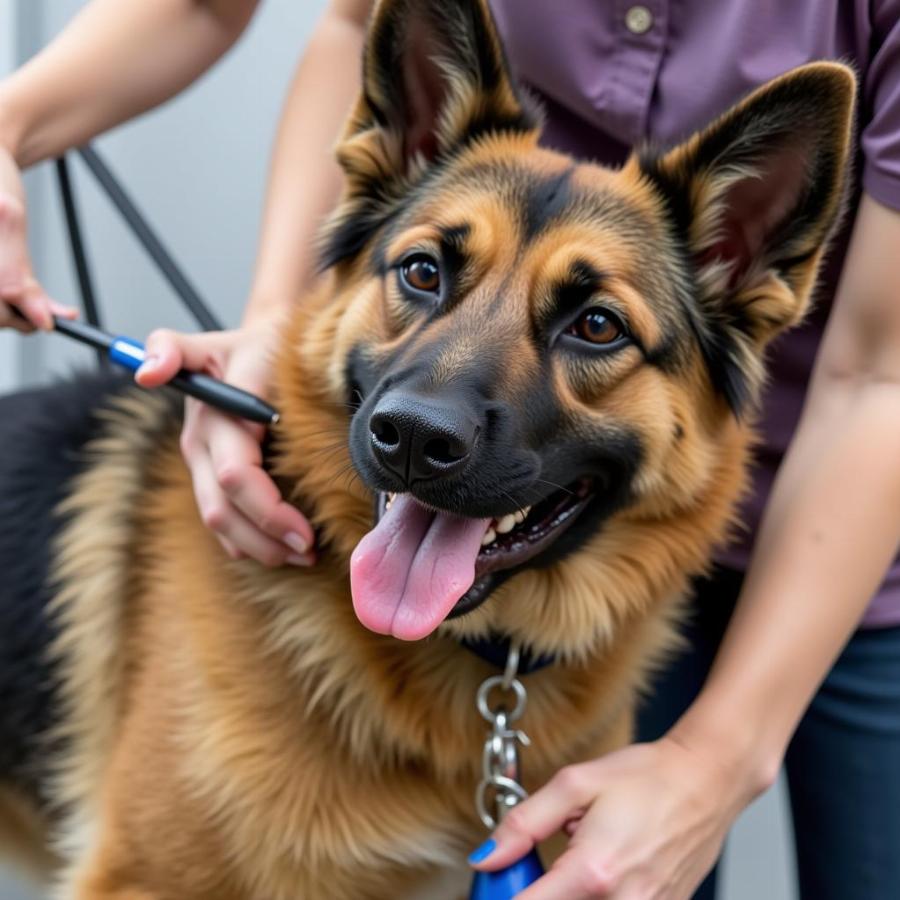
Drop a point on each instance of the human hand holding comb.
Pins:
(20, 291)
(237, 499)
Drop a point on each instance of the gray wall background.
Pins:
(197, 168)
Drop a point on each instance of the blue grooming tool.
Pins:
(130, 353)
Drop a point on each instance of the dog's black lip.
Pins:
(547, 521)
(510, 552)
(481, 589)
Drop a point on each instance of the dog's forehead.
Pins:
(535, 218)
(538, 192)
(514, 203)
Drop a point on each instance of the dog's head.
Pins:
(540, 368)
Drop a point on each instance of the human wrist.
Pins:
(18, 123)
(11, 128)
(731, 740)
(264, 309)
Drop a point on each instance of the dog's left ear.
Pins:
(754, 198)
(434, 78)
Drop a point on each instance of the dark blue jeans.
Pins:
(843, 765)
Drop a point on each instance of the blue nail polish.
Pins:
(508, 882)
(479, 854)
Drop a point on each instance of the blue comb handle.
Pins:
(126, 352)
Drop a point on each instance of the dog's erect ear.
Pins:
(434, 74)
(754, 198)
(434, 78)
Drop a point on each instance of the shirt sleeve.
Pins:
(880, 137)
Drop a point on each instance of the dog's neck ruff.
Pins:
(495, 648)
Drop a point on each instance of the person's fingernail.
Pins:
(148, 365)
(296, 542)
(295, 559)
(480, 854)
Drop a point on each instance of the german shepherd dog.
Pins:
(517, 408)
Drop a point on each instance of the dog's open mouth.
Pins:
(419, 566)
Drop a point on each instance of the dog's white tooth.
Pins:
(489, 537)
(506, 524)
(519, 516)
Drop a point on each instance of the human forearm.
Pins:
(116, 59)
(831, 531)
(304, 179)
(831, 527)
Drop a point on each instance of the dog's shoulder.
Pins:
(46, 435)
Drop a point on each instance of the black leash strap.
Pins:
(141, 229)
(79, 254)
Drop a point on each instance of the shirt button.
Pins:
(639, 20)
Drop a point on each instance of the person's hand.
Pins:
(24, 305)
(645, 822)
(235, 496)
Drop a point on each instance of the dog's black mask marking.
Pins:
(523, 455)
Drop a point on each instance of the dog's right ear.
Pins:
(434, 78)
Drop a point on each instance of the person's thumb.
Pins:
(166, 352)
(563, 798)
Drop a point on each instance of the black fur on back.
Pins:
(42, 435)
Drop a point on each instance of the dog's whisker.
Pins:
(346, 470)
(321, 452)
(512, 499)
(555, 485)
(534, 496)
(340, 443)
(332, 431)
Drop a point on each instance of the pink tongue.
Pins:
(407, 573)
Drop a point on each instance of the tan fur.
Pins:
(94, 560)
(24, 836)
(246, 707)
(231, 732)
(250, 696)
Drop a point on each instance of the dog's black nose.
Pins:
(418, 437)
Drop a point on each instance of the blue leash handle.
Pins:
(509, 882)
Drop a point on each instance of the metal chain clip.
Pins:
(500, 758)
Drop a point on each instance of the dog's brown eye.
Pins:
(421, 273)
(598, 327)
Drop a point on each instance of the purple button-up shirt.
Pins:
(612, 73)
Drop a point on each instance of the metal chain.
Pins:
(499, 786)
